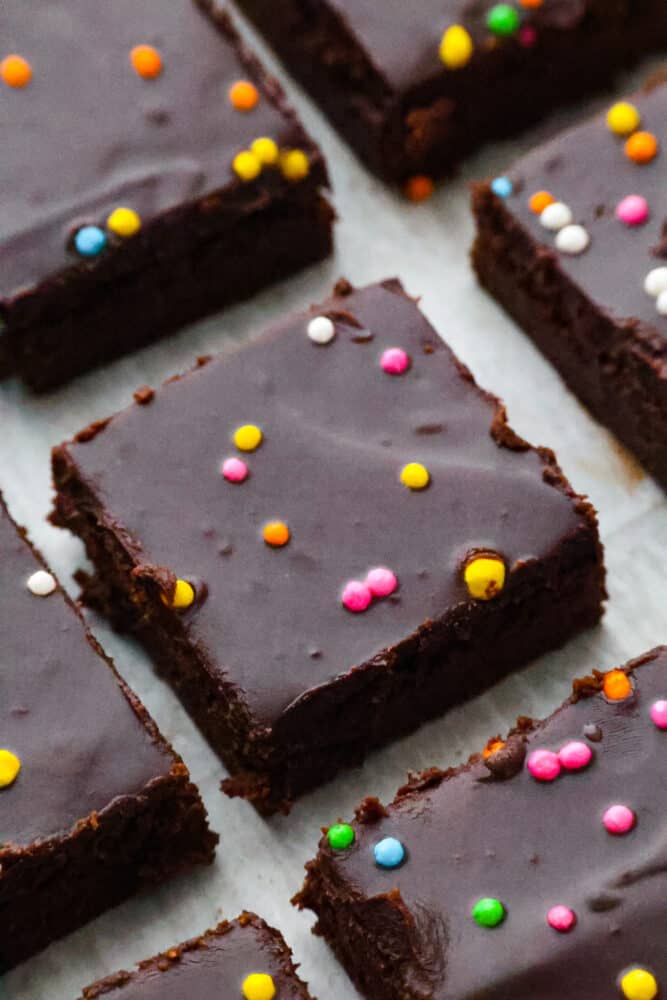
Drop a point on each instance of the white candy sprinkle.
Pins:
(572, 239)
(321, 330)
(655, 281)
(41, 583)
(661, 304)
(556, 216)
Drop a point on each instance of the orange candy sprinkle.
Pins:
(641, 147)
(616, 685)
(493, 747)
(146, 61)
(15, 71)
(539, 201)
(276, 533)
(243, 95)
(419, 188)
(531, 4)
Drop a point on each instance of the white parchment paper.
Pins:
(259, 864)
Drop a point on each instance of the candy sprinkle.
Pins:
(41, 583)
(381, 581)
(619, 820)
(294, 164)
(623, 118)
(456, 47)
(90, 241)
(556, 216)
(488, 912)
(258, 986)
(10, 765)
(340, 836)
(395, 361)
(639, 984)
(572, 240)
(124, 222)
(415, 476)
(418, 188)
(633, 210)
(146, 61)
(656, 282)
(561, 918)
(484, 577)
(503, 20)
(539, 201)
(321, 330)
(389, 853)
(234, 470)
(246, 165)
(248, 437)
(616, 685)
(15, 71)
(183, 596)
(641, 147)
(266, 151)
(659, 714)
(276, 534)
(356, 596)
(502, 187)
(544, 765)
(575, 755)
(243, 95)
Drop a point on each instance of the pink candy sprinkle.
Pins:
(633, 210)
(234, 470)
(659, 714)
(381, 582)
(575, 755)
(619, 820)
(395, 361)
(527, 36)
(561, 918)
(356, 596)
(544, 765)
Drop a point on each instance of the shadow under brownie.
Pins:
(360, 540)
(126, 210)
(94, 802)
(537, 870)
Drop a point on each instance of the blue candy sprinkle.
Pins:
(90, 241)
(389, 853)
(502, 186)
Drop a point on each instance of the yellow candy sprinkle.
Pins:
(484, 577)
(415, 476)
(246, 165)
(265, 150)
(248, 437)
(124, 222)
(456, 47)
(294, 164)
(639, 984)
(623, 118)
(184, 595)
(259, 986)
(10, 766)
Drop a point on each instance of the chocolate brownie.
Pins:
(94, 803)
(535, 870)
(244, 959)
(135, 196)
(415, 87)
(573, 243)
(359, 539)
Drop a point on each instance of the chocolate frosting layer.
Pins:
(88, 134)
(337, 432)
(532, 845)
(62, 712)
(586, 168)
(212, 967)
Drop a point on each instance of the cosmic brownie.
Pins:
(573, 243)
(94, 804)
(151, 173)
(414, 87)
(243, 959)
(537, 869)
(327, 537)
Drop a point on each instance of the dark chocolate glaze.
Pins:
(62, 712)
(88, 134)
(212, 967)
(337, 431)
(587, 169)
(531, 845)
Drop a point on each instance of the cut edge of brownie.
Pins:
(163, 962)
(443, 663)
(136, 841)
(616, 368)
(378, 963)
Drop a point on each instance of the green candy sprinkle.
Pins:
(503, 20)
(340, 836)
(488, 912)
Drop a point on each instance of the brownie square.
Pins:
(581, 288)
(132, 106)
(94, 803)
(238, 959)
(415, 87)
(293, 657)
(537, 869)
